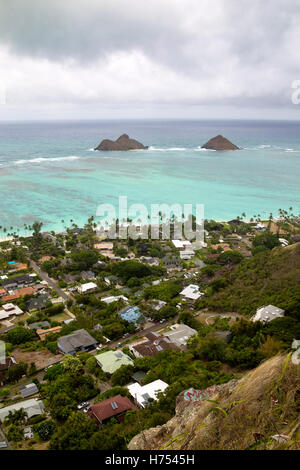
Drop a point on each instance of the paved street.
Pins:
(50, 282)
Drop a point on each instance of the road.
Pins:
(49, 281)
(209, 316)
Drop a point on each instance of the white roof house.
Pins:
(296, 344)
(283, 242)
(268, 313)
(188, 253)
(191, 292)
(114, 298)
(88, 287)
(180, 334)
(181, 244)
(296, 357)
(8, 310)
(141, 394)
(32, 407)
(158, 304)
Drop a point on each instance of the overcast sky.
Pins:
(149, 58)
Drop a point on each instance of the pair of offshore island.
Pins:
(124, 142)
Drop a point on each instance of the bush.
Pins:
(45, 430)
(19, 335)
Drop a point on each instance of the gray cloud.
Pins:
(237, 52)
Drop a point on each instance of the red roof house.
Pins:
(114, 407)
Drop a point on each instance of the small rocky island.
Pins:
(219, 143)
(122, 143)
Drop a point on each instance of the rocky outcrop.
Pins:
(219, 143)
(236, 415)
(122, 143)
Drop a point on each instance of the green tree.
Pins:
(45, 429)
(72, 365)
(19, 335)
(75, 434)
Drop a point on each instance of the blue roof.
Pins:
(131, 314)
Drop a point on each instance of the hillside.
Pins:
(242, 414)
(271, 277)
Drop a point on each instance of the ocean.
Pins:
(49, 171)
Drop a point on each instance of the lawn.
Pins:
(60, 317)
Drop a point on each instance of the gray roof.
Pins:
(78, 339)
(32, 407)
(180, 334)
(268, 313)
(29, 390)
(38, 302)
(40, 324)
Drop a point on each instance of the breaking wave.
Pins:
(43, 160)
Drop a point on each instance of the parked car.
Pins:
(82, 405)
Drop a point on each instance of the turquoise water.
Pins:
(49, 172)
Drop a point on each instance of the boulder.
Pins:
(219, 143)
(122, 143)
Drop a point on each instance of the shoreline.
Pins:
(58, 232)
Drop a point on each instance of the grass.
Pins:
(60, 317)
(272, 277)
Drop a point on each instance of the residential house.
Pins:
(139, 376)
(87, 288)
(142, 394)
(181, 244)
(43, 333)
(132, 314)
(223, 246)
(191, 292)
(29, 390)
(114, 298)
(107, 246)
(38, 303)
(18, 282)
(111, 361)
(149, 260)
(78, 341)
(157, 304)
(41, 325)
(187, 254)
(86, 275)
(114, 407)
(180, 334)
(50, 237)
(111, 280)
(171, 262)
(296, 354)
(268, 313)
(153, 345)
(20, 292)
(32, 407)
(9, 310)
(283, 241)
